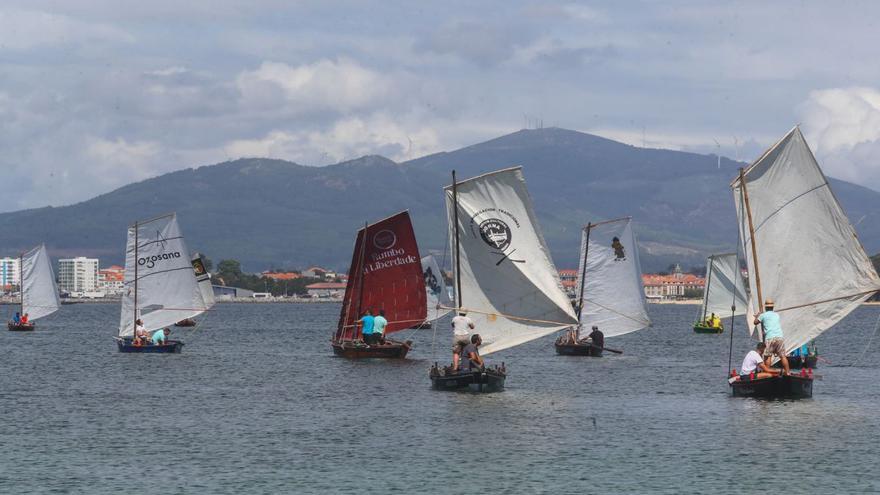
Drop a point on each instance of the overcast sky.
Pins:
(102, 93)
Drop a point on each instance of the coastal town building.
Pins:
(223, 292)
(326, 289)
(79, 276)
(10, 273)
(282, 276)
(678, 285)
(111, 281)
(318, 272)
(569, 281)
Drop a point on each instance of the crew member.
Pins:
(470, 355)
(597, 337)
(367, 321)
(754, 362)
(769, 319)
(160, 337)
(461, 330)
(379, 324)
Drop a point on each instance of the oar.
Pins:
(615, 351)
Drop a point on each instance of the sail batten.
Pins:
(808, 254)
(508, 281)
(38, 290)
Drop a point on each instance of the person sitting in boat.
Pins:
(24, 319)
(754, 363)
(461, 330)
(140, 333)
(470, 355)
(16, 320)
(715, 321)
(367, 321)
(597, 338)
(160, 337)
(379, 324)
(769, 319)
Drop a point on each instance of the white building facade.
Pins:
(78, 276)
(10, 272)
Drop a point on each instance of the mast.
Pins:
(458, 303)
(708, 285)
(745, 191)
(583, 282)
(361, 279)
(21, 284)
(134, 322)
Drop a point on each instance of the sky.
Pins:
(98, 94)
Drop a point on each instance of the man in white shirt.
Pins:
(461, 335)
(754, 362)
(140, 333)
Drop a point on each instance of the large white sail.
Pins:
(724, 287)
(167, 290)
(435, 289)
(204, 279)
(38, 290)
(808, 256)
(613, 293)
(509, 285)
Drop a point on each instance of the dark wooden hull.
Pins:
(777, 387)
(796, 363)
(355, 349)
(189, 322)
(483, 381)
(579, 349)
(704, 329)
(20, 328)
(171, 347)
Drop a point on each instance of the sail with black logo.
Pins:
(160, 284)
(506, 282)
(438, 301)
(385, 277)
(611, 296)
(803, 256)
(39, 294)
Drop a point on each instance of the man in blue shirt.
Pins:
(160, 337)
(367, 321)
(769, 320)
(16, 320)
(379, 324)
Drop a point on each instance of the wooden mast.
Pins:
(745, 192)
(360, 276)
(458, 303)
(134, 323)
(20, 285)
(583, 282)
(706, 290)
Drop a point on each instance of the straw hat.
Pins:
(768, 302)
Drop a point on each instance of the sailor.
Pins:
(769, 319)
(16, 320)
(715, 321)
(24, 319)
(597, 338)
(140, 333)
(379, 324)
(461, 330)
(754, 362)
(470, 355)
(366, 323)
(161, 336)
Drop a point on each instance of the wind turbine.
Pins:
(719, 152)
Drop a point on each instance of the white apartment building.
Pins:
(10, 272)
(78, 276)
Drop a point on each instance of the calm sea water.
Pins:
(258, 404)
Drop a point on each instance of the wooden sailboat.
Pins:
(438, 300)
(385, 274)
(725, 289)
(161, 286)
(39, 294)
(505, 279)
(793, 229)
(611, 295)
(204, 280)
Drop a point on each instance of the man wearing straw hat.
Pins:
(769, 320)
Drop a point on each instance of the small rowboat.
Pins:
(485, 380)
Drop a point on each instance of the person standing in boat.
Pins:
(160, 337)
(16, 320)
(470, 355)
(379, 324)
(754, 363)
(461, 330)
(769, 320)
(597, 338)
(367, 321)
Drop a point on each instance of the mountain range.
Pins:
(271, 213)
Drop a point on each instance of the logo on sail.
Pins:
(495, 233)
(384, 239)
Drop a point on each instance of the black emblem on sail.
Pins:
(384, 239)
(619, 250)
(431, 281)
(497, 234)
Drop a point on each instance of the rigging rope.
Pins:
(509, 317)
(865, 350)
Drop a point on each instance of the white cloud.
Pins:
(25, 29)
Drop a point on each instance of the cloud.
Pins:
(26, 29)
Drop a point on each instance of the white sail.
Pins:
(808, 256)
(167, 290)
(38, 290)
(509, 285)
(204, 280)
(725, 287)
(613, 293)
(435, 288)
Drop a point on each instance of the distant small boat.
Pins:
(610, 291)
(39, 294)
(725, 292)
(161, 286)
(385, 274)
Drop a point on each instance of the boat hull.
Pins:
(356, 349)
(799, 362)
(578, 349)
(189, 322)
(171, 347)
(481, 381)
(707, 329)
(777, 387)
(29, 327)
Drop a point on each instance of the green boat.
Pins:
(701, 327)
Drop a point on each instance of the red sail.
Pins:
(386, 274)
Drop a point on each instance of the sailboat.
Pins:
(385, 274)
(505, 280)
(204, 280)
(160, 284)
(611, 295)
(725, 289)
(39, 294)
(438, 301)
(796, 235)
